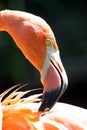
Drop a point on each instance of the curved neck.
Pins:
(13, 23)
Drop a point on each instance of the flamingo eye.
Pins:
(49, 42)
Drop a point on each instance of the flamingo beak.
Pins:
(54, 81)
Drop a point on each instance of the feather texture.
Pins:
(20, 112)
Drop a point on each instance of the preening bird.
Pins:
(37, 42)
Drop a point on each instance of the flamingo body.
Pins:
(61, 117)
(22, 114)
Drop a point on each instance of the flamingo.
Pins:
(36, 40)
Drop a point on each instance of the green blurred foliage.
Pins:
(68, 19)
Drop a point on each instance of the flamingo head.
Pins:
(37, 42)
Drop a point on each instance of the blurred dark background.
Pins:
(68, 19)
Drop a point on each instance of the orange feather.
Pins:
(23, 115)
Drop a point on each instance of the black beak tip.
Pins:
(49, 99)
(45, 101)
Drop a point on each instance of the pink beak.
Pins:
(55, 84)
